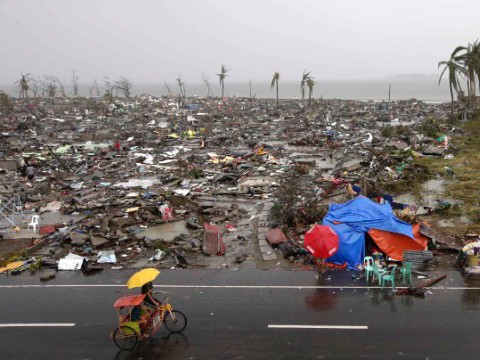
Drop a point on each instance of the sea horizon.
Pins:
(425, 89)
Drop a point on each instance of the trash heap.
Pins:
(198, 184)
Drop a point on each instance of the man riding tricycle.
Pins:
(140, 316)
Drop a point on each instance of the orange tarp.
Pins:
(394, 244)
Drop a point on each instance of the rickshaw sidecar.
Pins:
(127, 334)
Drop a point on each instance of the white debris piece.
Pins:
(106, 257)
(71, 262)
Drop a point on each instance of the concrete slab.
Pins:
(265, 249)
(141, 263)
(261, 234)
(271, 256)
(98, 241)
(263, 242)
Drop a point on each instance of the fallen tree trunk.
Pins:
(414, 291)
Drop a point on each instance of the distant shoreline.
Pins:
(426, 89)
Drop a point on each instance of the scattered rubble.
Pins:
(210, 183)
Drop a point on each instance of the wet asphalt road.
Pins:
(229, 313)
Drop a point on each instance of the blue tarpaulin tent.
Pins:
(351, 245)
(351, 220)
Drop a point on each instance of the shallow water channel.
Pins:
(167, 231)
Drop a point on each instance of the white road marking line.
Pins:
(37, 325)
(329, 327)
(159, 286)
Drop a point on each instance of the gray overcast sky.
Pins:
(149, 41)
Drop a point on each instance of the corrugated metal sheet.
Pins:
(419, 259)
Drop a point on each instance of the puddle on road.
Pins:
(166, 231)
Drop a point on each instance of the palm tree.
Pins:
(181, 86)
(276, 77)
(305, 77)
(51, 89)
(75, 79)
(469, 58)
(167, 87)
(310, 84)
(222, 76)
(476, 53)
(124, 85)
(23, 85)
(206, 81)
(472, 61)
(463, 57)
(250, 86)
(454, 70)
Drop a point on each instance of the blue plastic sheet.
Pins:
(356, 217)
(351, 246)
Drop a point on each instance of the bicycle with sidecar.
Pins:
(128, 333)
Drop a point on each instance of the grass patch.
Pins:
(413, 177)
(14, 256)
(463, 170)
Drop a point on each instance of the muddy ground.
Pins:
(245, 167)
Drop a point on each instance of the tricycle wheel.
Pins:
(175, 321)
(125, 337)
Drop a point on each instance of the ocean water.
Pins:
(421, 89)
(426, 89)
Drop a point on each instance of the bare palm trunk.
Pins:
(468, 92)
(451, 95)
(309, 97)
(389, 92)
(473, 90)
(277, 94)
(222, 90)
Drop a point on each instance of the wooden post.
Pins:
(60, 161)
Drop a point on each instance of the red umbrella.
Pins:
(321, 241)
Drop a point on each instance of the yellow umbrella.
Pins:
(142, 277)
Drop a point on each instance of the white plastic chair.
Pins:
(34, 223)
